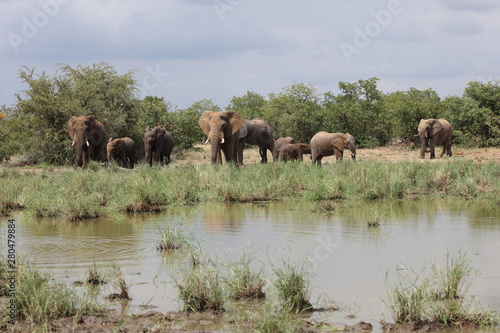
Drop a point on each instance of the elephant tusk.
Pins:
(206, 142)
(222, 141)
(88, 144)
(73, 143)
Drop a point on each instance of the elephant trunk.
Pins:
(81, 150)
(149, 155)
(110, 155)
(215, 142)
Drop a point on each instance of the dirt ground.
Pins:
(201, 156)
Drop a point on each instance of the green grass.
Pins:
(439, 296)
(79, 194)
(39, 299)
(175, 236)
(200, 288)
(291, 286)
(243, 281)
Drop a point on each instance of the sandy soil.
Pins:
(201, 156)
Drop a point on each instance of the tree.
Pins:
(294, 112)
(357, 110)
(249, 106)
(472, 124)
(405, 109)
(46, 106)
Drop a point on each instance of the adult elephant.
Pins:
(88, 138)
(158, 144)
(278, 144)
(292, 151)
(259, 133)
(223, 131)
(326, 144)
(432, 131)
(123, 149)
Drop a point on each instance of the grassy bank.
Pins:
(97, 191)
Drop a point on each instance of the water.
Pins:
(349, 259)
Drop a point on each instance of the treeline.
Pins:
(36, 124)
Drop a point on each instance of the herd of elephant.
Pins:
(227, 132)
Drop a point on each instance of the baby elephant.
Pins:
(293, 151)
(123, 149)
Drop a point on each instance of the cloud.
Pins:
(461, 25)
(470, 5)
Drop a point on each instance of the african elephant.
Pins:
(122, 148)
(327, 144)
(158, 143)
(88, 138)
(432, 131)
(292, 151)
(279, 143)
(256, 132)
(223, 131)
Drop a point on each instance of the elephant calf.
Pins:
(293, 151)
(158, 144)
(123, 149)
(278, 144)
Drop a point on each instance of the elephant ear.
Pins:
(204, 121)
(243, 131)
(435, 126)
(160, 132)
(118, 144)
(71, 127)
(339, 141)
(235, 120)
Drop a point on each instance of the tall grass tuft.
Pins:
(39, 299)
(292, 287)
(243, 281)
(407, 299)
(439, 296)
(200, 288)
(175, 236)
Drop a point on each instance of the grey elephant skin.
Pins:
(223, 132)
(432, 132)
(158, 144)
(328, 144)
(293, 151)
(122, 149)
(88, 138)
(259, 133)
(278, 144)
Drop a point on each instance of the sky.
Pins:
(188, 50)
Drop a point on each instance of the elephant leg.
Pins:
(339, 155)
(123, 157)
(241, 146)
(432, 147)
(263, 154)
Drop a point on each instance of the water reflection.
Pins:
(350, 258)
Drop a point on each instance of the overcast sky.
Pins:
(187, 50)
